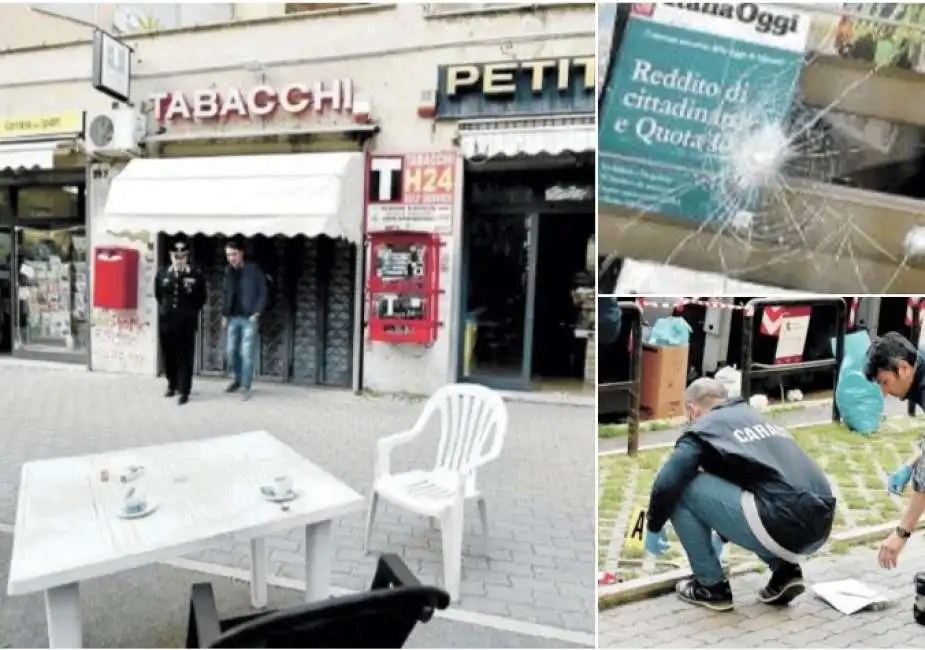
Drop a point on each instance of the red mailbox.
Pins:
(115, 277)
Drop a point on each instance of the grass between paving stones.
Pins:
(857, 467)
(621, 430)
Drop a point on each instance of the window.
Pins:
(451, 8)
(6, 210)
(51, 310)
(48, 202)
(855, 151)
(307, 7)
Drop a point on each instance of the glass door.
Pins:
(499, 293)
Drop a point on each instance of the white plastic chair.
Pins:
(473, 422)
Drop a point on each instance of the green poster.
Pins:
(691, 123)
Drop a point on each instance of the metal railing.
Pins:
(632, 387)
(752, 321)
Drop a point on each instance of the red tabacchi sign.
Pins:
(259, 101)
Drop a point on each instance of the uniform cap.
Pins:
(179, 245)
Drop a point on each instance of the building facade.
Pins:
(224, 132)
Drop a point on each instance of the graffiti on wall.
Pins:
(123, 340)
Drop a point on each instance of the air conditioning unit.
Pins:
(115, 134)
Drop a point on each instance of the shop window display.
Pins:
(52, 271)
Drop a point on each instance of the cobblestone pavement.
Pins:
(666, 622)
(537, 565)
(800, 414)
(857, 468)
(148, 608)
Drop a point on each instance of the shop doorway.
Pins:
(44, 287)
(524, 255)
(306, 334)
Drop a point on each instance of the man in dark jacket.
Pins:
(899, 369)
(737, 476)
(180, 292)
(245, 297)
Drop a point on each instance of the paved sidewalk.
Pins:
(536, 566)
(666, 622)
(148, 608)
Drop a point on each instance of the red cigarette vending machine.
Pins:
(403, 287)
(115, 277)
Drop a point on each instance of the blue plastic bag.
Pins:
(856, 345)
(859, 401)
(671, 331)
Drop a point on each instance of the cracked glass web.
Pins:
(764, 158)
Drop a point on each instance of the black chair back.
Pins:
(381, 618)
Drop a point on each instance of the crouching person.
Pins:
(736, 476)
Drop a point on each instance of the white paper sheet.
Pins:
(849, 596)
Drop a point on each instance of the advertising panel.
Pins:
(411, 192)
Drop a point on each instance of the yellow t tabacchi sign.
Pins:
(70, 123)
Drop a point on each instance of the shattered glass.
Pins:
(764, 160)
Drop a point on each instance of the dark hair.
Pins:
(886, 352)
(234, 244)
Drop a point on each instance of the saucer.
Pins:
(150, 507)
(280, 498)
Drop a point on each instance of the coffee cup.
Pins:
(134, 503)
(282, 486)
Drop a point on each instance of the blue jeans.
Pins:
(241, 349)
(709, 504)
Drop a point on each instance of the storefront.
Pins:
(235, 144)
(833, 203)
(525, 129)
(284, 170)
(44, 288)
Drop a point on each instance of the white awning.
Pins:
(28, 155)
(527, 137)
(293, 194)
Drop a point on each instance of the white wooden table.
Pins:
(67, 529)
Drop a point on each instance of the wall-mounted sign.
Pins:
(112, 66)
(46, 126)
(569, 193)
(513, 88)
(260, 101)
(413, 192)
(790, 325)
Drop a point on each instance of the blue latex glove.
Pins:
(899, 479)
(718, 544)
(657, 543)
